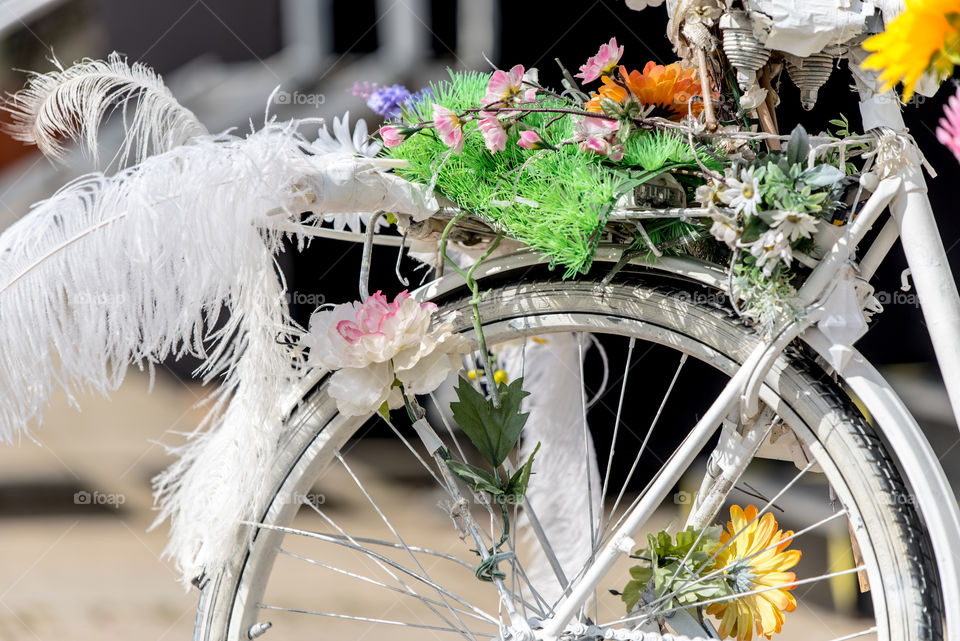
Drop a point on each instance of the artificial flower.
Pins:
(742, 195)
(668, 88)
(795, 224)
(494, 135)
(391, 136)
(448, 127)
(925, 37)
(603, 147)
(753, 555)
(388, 101)
(772, 246)
(529, 139)
(609, 89)
(948, 132)
(373, 343)
(603, 63)
(754, 97)
(504, 86)
(598, 135)
(725, 229)
(530, 78)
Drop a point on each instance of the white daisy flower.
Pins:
(771, 247)
(795, 224)
(725, 229)
(742, 195)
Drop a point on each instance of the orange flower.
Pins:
(609, 89)
(668, 89)
(756, 559)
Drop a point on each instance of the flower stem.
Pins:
(475, 301)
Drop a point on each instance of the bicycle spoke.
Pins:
(393, 531)
(643, 446)
(381, 584)
(381, 561)
(422, 626)
(447, 426)
(616, 423)
(640, 618)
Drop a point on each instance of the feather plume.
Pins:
(72, 103)
(139, 266)
(558, 489)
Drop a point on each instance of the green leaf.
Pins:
(478, 478)
(753, 228)
(493, 431)
(821, 176)
(517, 487)
(799, 146)
(384, 410)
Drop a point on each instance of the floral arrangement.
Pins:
(549, 167)
(749, 557)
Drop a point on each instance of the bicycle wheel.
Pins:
(354, 541)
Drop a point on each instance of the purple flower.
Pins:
(418, 98)
(387, 101)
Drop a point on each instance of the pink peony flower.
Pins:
(948, 133)
(391, 136)
(494, 135)
(371, 343)
(530, 140)
(603, 63)
(504, 86)
(448, 127)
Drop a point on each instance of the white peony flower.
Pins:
(771, 247)
(795, 224)
(372, 343)
(742, 195)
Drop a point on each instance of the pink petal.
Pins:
(528, 139)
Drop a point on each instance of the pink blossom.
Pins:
(449, 127)
(594, 127)
(374, 342)
(530, 140)
(601, 64)
(504, 86)
(948, 132)
(391, 136)
(494, 135)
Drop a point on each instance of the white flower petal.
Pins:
(361, 390)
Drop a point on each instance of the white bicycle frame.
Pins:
(905, 194)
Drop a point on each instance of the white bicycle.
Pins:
(798, 422)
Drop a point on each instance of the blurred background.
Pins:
(74, 565)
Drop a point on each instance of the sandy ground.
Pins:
(80, 567)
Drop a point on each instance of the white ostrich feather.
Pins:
(135, 267)
(73, 102)
(558, 487)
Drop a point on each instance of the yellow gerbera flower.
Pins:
(756, 559)
(925, 36)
